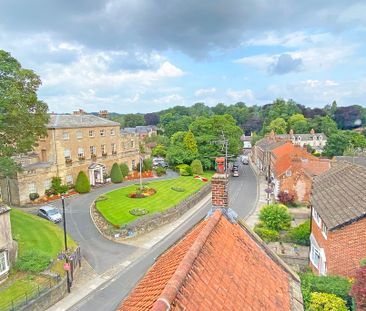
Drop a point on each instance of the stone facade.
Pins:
(8, 247)
(90, 144)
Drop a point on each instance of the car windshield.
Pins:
(52, 212)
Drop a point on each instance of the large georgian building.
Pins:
(74, 143)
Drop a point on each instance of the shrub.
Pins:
(286, 198)
(57, 187)
(33, 261)
(184, 170)
(178, 189)
(196, 167)
(275, 217)
(335, 285)
(124, 169)
(300, 234)
(147, 166)
(82, 184)
(160, 171)
(359, 288)
(33, 196)
(116, 174)
(266, 234)
(138, 211)
(328, 302)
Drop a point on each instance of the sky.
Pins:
(131, 56)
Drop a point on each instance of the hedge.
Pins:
(124, 169)
(82, 184)
(116, 174)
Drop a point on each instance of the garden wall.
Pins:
(148, 222)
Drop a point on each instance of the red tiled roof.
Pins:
(284, 149)
(217, 266)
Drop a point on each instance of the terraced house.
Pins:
(74, 143)
(338, 227)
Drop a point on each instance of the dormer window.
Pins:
(298, 137)
(288, 173)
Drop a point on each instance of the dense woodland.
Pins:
(193, 132)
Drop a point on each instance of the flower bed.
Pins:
(136, 175)
(45, 198)
(141, 193)
(138, 211)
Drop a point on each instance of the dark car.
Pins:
(235, 167)
(50, 213)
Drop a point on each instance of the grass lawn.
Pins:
(33, 232)
(117, 206)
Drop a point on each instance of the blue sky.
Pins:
(147, 55)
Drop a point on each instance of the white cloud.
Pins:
(242, 95)
(203, 92)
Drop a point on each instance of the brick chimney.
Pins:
(79, 112)
(219, 184)
(103, 114)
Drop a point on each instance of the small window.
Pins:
(320, 137)
(298, 137)
(315, 256)
(288, 173)
(4, 265)
(133, 162)
(102, 132)
(113, 132)
(79, 134)
(80, 152)
(91, 133)
(93, 150)
(32, 188)
(66, 136)
(104, 149)
(67, 153)
(69, 179)
(317, 218)
(114, 148)
(324, 230)
(132, 143)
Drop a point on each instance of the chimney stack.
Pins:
(79, 112)
(103, 114)
(219, 184)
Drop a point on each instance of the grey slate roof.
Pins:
(76, 121)
(339, 195)
(266, 144)
(306, 136)
(355, 160)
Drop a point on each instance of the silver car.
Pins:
(50, 213)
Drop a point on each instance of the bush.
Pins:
(300, 234)
(196, 167)
(359, 288)
(267, 235)
(275, 217)
(82, 184)
(160, 171)
(124, 169)
(286, 198)
(326, 302)
(33, 261)
(57, 187)
(33, 196)
(138, 211)
(147, 165)
(184, 170)
(363, 262)
(335, 285)
(116, 174)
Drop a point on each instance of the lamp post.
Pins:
(65, 239)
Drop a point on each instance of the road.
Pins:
(242, 198)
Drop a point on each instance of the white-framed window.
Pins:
(314, 256)
(67, 153)
(298, 138)
(320, 137)
(113, 132)
(91, 133)
(317, 218)
(102, 132)
(69, 179)
(114, 148)
(288, 173)
(32, 187)
(79, 134)
(80, 152)
(66, 135)
(4, 264)
(132, 143)
(104, 149)
(324, 230)
(133, 163)
(93, 150)
(47, 184)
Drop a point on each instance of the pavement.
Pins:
(115, 268)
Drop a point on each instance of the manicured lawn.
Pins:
(33, 232)
(117, 206)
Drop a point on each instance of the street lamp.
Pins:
(65, 239)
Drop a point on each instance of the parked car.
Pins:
(235, 167)
(244, 159)
(236, 173)
(159, 162)
(50, 213)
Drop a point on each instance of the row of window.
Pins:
(32, 187)
(320, 223)
(91, 133)
(313, 138)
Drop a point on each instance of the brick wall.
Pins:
(344, 248)
(219, 184)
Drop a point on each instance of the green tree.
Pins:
(280, 108)
(133, 119)
(342, 141)
(82, 184)
(172, 123)
(196, 166)
(116, 174)
(124, 169)
(324, 125)
(23, 117)
(190, 142)
(159, 151)
(279, 126)
(177, 152)
(275, 217)
(298, 123)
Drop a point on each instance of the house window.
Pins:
(69, 179)
(93, 150)
(4, 266)
(317, 218)
(288, 173)
(132, 143)
(47, 184)
(298, 138)
(102, 132)
(315, 256)
(324, 231)
(104, 149)
(80, 152)
(66, 136)
(79, 134)
(133, 162)
(32, 188)
(91, 133)
(67, 153)
(114, 148)
(113, 132)
(320, 137)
